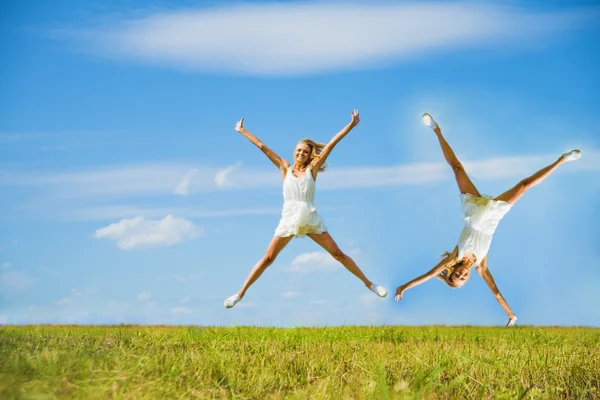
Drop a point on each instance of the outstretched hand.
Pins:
(355, 118)
(240, 125)
(511, 320)
(399, 292)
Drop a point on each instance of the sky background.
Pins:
(126, 196)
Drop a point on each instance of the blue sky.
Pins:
(127, 197)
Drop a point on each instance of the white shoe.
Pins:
(378, 290)
(429, 121)
(572, 155)
(232, 300)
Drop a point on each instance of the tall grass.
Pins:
(140, 362)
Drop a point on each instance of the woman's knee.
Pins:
(268, 259)
(457, 167)
(338, 254)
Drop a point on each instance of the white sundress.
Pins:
(482, 215)
(299, 216)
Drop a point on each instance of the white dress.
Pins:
(299, 216)
(482, 215)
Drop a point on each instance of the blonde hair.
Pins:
(315, 151)
(448, 271)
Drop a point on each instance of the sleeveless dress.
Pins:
(482, 215)
(299, 216)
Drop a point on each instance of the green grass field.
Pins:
(137, 362)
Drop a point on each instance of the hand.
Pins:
(511, 320)
(355, 118)
(240, 125)
(399, 292)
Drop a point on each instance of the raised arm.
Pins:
(319, 161)
(449, 260)
(485, 273)
(279, 162)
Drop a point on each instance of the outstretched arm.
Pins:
(485, 273)
(449, 260)
(275, 159)
(319, 161)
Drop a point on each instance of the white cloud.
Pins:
(184, 184)
(63, 302)
(290, 294)
(320, 302)
(15, 281)
(138, 233)
(6, 265)
(108, 181)
(112, 212)
(185, 300)
(183, 311)
(306, 37)
(315, 261)
(144, 296)
(368, 298)
(85, 292)
(157, 179)
(180, 277)
(6, 138)
(221, 177)
(242, 304)
(117, 182)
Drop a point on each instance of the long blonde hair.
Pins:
(448, 271)
(315, 151)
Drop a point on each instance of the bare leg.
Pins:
(275, 247)
(514, 194)
(462, 179)
(326, 241)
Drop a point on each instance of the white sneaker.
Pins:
(572, 155)
(378, 290)
(232, 300)
(429, 121)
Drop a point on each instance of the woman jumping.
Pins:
(299, 216)
(482, 215)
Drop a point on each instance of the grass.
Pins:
(139, 362)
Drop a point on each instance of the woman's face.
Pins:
(301, 153)
(460, 276)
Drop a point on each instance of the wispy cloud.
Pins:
(143, 296)
(184, 184)
(221, 176)
(106, 185)
(85, 292)
(6, 138)
(109, 181)
(12, 281)
(306, 37)
(367, 299)
(179, 277)
(66, 301)
(114, 212)
(315, 261)
(157, 179)
(183, 311)
(6, 265)
(289, 294)
(139, 233)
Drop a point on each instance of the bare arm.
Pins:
(449, 260)
(279, 162)
(485, 273)
(319, 161)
